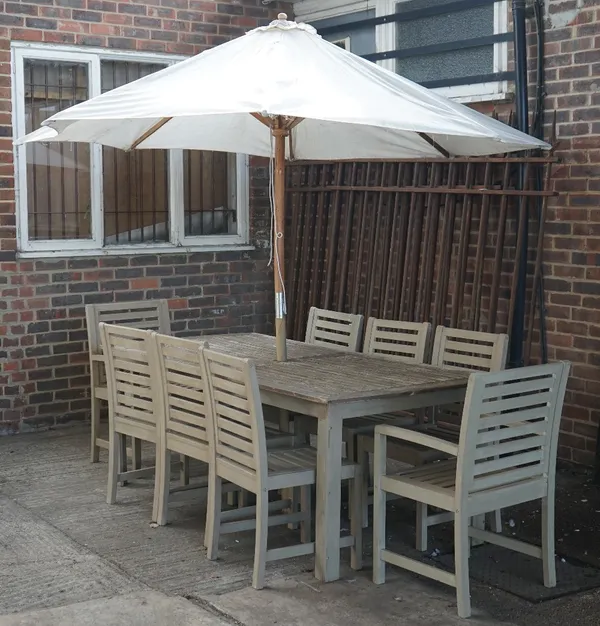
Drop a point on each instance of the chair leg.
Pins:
(243, 499)
(95, 449)
(363, 459)
(136, 453)
(295, 497)
(356, 523)
(422, 527)
(461, 559)
(184, 473)
(260, 542)
(495, 521)
(162, 482)
(115, 454)
(213, 516)
(122, 457)
(548, 559)
(351, 456)
(379, 503)
(305, 507)
(284, 421)
(478, 522)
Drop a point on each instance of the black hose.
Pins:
(538, 131)
(520, 45)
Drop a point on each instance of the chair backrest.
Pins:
(236, 419)
(509, 433)
(132, 400)
(150, 315)
(177, 369)
(469, 350)
(403, 341)
(341, 331)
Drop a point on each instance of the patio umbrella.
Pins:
(282, 91)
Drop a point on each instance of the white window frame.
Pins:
(385, 37)
(20, 51)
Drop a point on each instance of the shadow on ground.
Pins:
(62, 544)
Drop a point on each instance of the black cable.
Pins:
(537, 130)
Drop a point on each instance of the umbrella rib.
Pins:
(149, 132)
(262, 119)
(434, 144)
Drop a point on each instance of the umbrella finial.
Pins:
(282, 16)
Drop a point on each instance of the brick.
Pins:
(121, 43)
(87, 16)
(38, 22)
(21, 8)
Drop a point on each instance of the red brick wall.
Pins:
(572, 242)
(43, 363)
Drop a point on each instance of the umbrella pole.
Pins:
(279, 135)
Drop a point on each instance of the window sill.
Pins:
(132, 251)
(499, 97)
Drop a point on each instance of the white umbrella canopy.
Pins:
(278, 81)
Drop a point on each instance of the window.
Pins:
(76, 197)
(462, 53)
(361, 41)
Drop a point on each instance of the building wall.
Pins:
(572, 241)
(44, 377)
(573, 236)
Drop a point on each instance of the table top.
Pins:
(325, 375)
(261, 348)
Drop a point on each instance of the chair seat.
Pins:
(278, 439)
(298, 466)
(360, 425)
(101, 393)
(431, 484)
(357, 425)
(403, 451)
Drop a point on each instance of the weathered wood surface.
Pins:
(261, 348)
(328, 376)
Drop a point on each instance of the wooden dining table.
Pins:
(331, 386)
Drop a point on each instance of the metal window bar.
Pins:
(407, 53)
(136, 209)
(438, 258)
(53, 172)
(407, 16)
(209, 193)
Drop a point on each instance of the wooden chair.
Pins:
(464, 350)
(133, 401)
(177, 374)
(391, 339)
(506, 456)
(150, 315)
(176, 367)
(456, 349)
(340, 331)
(241, 457)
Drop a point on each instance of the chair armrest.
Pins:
(420, 438)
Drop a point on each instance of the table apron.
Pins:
(374, 406)
(364, 407)
(295, 405)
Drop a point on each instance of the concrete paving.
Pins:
(66, 557)
(149, 608)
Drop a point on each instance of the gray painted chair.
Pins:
(150, 315)
(240, 456)
(506, 455)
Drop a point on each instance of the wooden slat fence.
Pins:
(433, 240)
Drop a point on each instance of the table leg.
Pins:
(329, 468)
